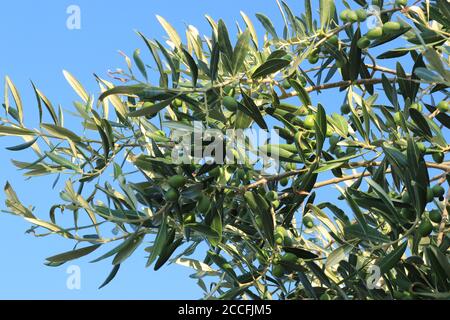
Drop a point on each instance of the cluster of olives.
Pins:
(388, 28)
(425, 227)
(284, 238)
(359, 15)
(272, 197)
(178, 182)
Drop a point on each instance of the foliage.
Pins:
(247, 234)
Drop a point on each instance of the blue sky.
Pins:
(37, 46)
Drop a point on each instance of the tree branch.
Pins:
(444, 221)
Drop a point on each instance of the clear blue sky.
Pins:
(38, 46)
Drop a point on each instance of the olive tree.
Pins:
(246, 231)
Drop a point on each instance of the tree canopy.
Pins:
(248, 232)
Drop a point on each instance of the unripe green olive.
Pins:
(417, 106)
(438, 191)
(391, 27)
(443, 106)
(309, 121)
(374, 33)
(363, 43)
(435, 216)
(438, 157)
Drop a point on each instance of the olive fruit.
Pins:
(430, 195)
(374, 33)
(313, 58)
(421, 147)
(330, 131)
(272, 196)
(325, 297)
(438, 157)
(417, 106)
(362, 14)
(230, 103)
(204, 204)
(352, 16)
(178, 103)
(278, 271)
(438, 191)
(309, 121)
(398, 118)
(172, 195)
(288, 242)
(401, 2)
(279, 235)
(391, 27)
(435, 216)
(333, 40)
(443, 106)
(177, 182)
(425, 228)
(286, 85)
(363, 43)
(308, 222)
(345, 109)
(284, 182)
(289, 257)
(343, 15)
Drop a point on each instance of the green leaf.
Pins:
(76, 85)
(384, 197)
(23, 146)
(204, 230)
(61, 132)
(320, 124)
(391, 259)
(214, 63)
(72, 255)
(193, 68)
(111, 276)
(171, 32)
(327, 11)
(131, 244)
(252, 110)
(337, 255)
(225, 44)
(420, 121)
(356, 231)
(355, 56)
(62, 161)
(269, 67)
(40, 96)
(140, 64)
(151, 110)
(251, 28)
(16, 96)
(15, 131)
(240, 52)
(267, 24)
(167, 253)
(302, 94)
